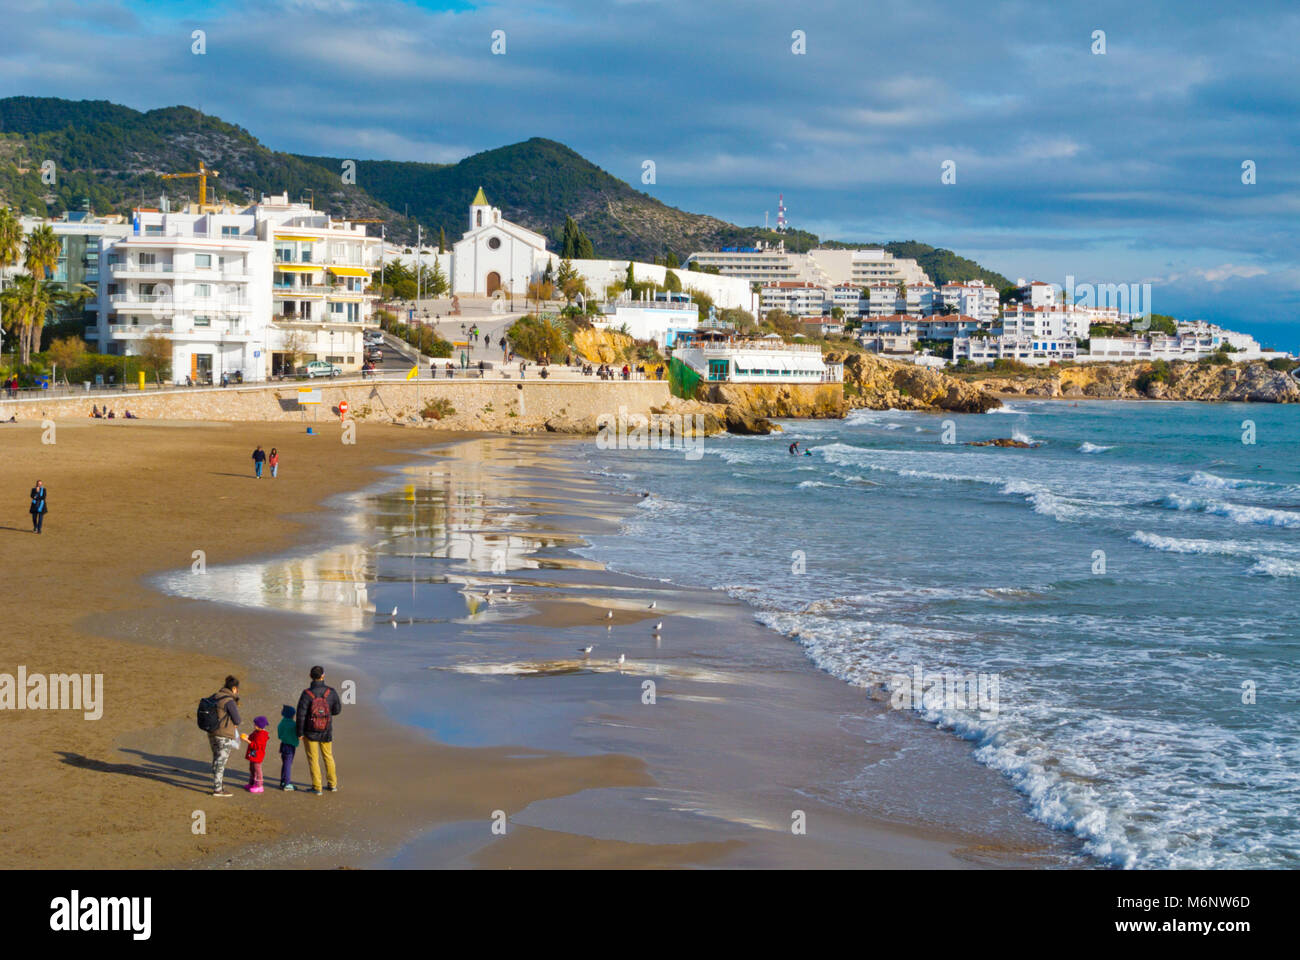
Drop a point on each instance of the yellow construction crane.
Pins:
(203, 173)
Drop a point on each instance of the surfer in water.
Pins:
(794, 449)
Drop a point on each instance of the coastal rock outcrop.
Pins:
(1004, 442)
(1247, 382)
(879, 383)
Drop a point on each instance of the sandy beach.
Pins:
(712, 780)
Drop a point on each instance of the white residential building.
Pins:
(1192, 342)
(799, 298)
(1035, 352)
(254, 291)
(925, 328)
(974, 298)
(1049, 322)
(823, 266)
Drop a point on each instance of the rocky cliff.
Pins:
(878, 383)
(1253, 382)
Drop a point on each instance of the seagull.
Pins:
(659, 626)
(609, 614)
(507, 590)
(653, 604)
(586, 649)
(621, 658)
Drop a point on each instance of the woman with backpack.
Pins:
(317, 708)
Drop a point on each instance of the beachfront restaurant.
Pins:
(719, 357)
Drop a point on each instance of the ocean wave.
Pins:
(1236, 512)
(1276, 567)
(1222, 548)
(1087, 447)
(1202, 478)
(808, 484)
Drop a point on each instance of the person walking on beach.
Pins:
(314, 724)
(256, 753)
(287, 732)
(219, 717)
(259, 457)
(273, 461)
(38, 507)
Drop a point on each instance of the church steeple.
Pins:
(480, 212)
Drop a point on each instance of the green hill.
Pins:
(111, 156)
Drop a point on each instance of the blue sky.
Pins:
(1122, 167)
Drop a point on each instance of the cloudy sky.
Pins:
(1117, 167)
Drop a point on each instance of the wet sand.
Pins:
(559, 742)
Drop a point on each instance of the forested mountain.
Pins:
(110, 157)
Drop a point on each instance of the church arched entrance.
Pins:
(493, 282)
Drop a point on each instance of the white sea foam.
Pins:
(1236, 512)
(1223, 548)
(1276, 567)
(1087, 447)
(1211, 481)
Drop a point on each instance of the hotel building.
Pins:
(259, 291)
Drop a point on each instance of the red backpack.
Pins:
(318, 714)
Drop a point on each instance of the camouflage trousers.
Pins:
(221, 749)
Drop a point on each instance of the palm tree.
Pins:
(41, 252)
(11, 235)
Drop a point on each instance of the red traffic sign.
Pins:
(343, 408)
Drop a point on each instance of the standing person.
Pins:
(314, 724)
(273, 461)
(256, 753)
(259, 457)
(224, 735)
(287, 732)
(38, 507)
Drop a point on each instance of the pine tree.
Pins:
(630, 282)
(442, 240)
(584, 250)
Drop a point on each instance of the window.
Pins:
(153, 230)
(148, 259)
(230, 231)
(336, 308)
(494, 243)
(203, 261)
(202, 321)
(202, 290)
(284, 254)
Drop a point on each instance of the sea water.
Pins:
(1130, 582)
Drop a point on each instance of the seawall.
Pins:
(492, 405)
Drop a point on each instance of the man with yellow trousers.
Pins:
(317, 708)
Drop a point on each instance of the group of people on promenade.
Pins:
(310, 724)
(260, 457)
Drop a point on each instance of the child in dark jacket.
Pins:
(287, 731)
(256, 753)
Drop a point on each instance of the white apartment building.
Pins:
(926, 328)
(973, 298)
(256, 291)
(1035, 352)
(1192, 342)
(823, 266)
(1053, 321)
(799, 298)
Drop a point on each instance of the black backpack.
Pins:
(209, 713)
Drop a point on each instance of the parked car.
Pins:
(375, 356)
(319, 368)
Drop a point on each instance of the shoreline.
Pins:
(415, 819)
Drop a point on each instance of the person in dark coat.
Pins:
(38, 507)
(314, 721)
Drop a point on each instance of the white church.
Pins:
(495, 254)
(497, 258)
